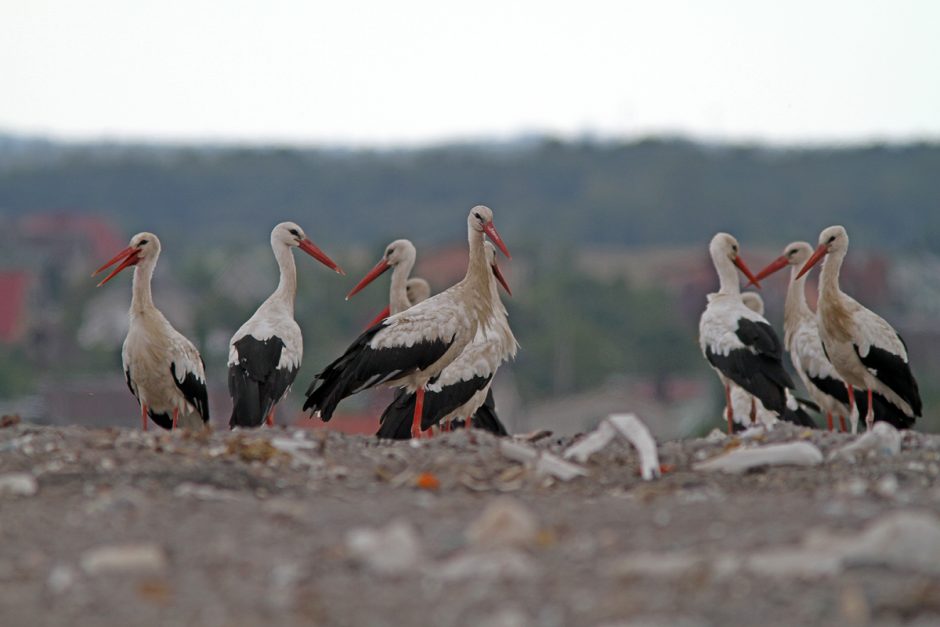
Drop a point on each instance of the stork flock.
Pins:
(442, 352)
(847, 356)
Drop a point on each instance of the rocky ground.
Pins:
(283, 527)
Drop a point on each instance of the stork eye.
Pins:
(831, 239)
(478, 217)
(142, 242)
(294, 232)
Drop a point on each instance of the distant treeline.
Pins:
(643, 192)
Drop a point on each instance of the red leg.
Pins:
(469, 424)
(753, 410)
(143, 416)
(829, 419)
(870, 416)
(851, 397)
(419, 410)
(730, 412)
(176, 416)
(842, 424)
(269, 420)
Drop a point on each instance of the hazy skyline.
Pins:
(415, 72)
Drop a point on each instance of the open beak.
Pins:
(502, 280)
(379, 318)
(777, 264)
(491, 233)
(812, 261)
(374, 273)
(743, 268)
(128, 257)
(311, 249)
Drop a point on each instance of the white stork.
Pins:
(746, 409)
(866, 351)
(801, 339)
(403, 291)
(162, 368)
(740, 344)
(265, 353)
(463, 388)
(414, 346)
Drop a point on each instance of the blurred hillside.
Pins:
(650, 192)
(609, 269)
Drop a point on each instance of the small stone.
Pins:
(123, 558)
(18, 484)
(887, 486)
(60, 579)
(391, 550)
(504, 523)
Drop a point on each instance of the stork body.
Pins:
(740, 344)
(801, 339)
(865, 350)
(410, 348)
(463, 388)
(162, 368)
(265, 353)
(746, 409)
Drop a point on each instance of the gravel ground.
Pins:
(281, 527)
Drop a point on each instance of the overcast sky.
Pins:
(394, 72)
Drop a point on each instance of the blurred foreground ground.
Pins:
(120, 527)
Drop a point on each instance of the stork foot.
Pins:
(269, 419)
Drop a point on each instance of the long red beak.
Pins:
(311, 249)
(777, 264)
(130, 257)
(819, 253)
(502, 280)
(374, 273)
(379, 318)
(743, 268)
(490, 230)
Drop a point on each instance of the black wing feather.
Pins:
(362, 367)
(255, 383)
(486, 417)
(194, 391)
(885, 410)
(895, 373)
(831, 387)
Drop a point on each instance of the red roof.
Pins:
(100, 232)
(14, 287)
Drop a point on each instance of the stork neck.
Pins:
(795, 308)
(141, 296)
(729, 285)
(478, 271)
(398, 290)
(829, 276)
(287, 285)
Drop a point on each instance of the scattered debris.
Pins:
(252, 450)
(203, 492)
(123, 558)
(60, 579)
(627, 426)
(510, 564)
(18, 484)
(545, 464)
(742, 459)
(391, 550)
(883, 438)
(427, 481)
(505, 522)
(8, 420)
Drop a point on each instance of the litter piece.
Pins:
(627, 426)
(883, 438)
(544, 463)
(741, 459)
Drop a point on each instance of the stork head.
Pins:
(417, 290)
(724, 248)
(753, 301)
(291, 235)
(144, 247)
(794, 254)
(833, 239)
(398, 252)
(494, 266)
(481, 219)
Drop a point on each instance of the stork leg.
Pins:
(176, 416)
(753, 410)
(842, 426)
(730, 412)
(419, 410)
(469, 424)
(269, 420)
(852, 415)
(829, 419)
(870, 415)
(143, 416)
